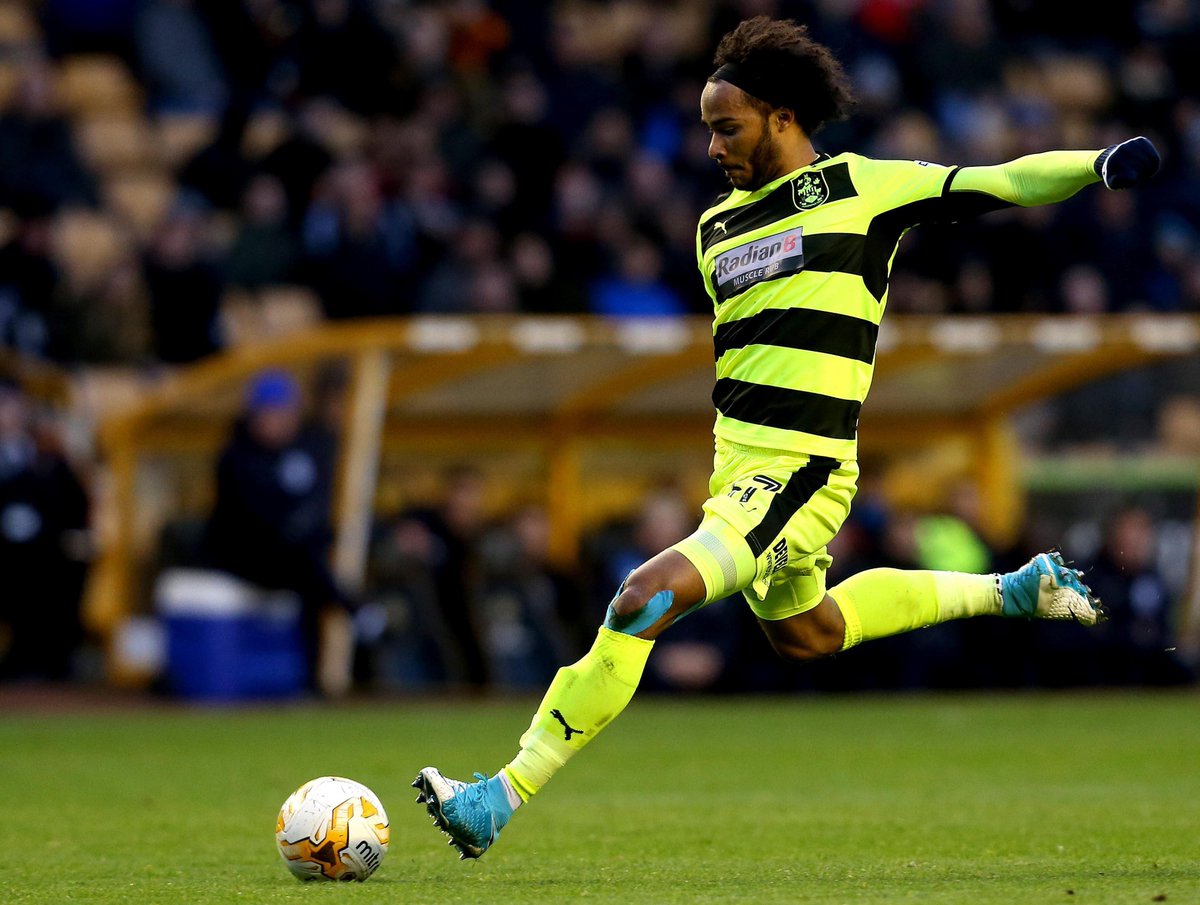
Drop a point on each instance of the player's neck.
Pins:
(794, 158)
(802, 155)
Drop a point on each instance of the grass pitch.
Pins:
(966, 799)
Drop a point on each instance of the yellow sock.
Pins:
(882, 602)
(583, 698)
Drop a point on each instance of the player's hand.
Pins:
(1130, 163)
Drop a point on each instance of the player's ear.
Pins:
(784, 117)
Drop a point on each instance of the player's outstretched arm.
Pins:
(1056, 175)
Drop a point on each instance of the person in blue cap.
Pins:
(270, 524)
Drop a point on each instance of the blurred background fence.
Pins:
(465, 230)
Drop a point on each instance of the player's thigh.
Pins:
(791, 578)
(768, 523)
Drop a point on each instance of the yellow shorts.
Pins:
(766, 527)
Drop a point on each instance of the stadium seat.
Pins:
(139, 198)
(94, 83)
(18, 27)
(346, 133)
(98, 393)
(181, 135)
(86, 245)
(240, 320)
(264, 132)
(1076, 83)
(289, 309)
(271, 312)
(119, 143)
(10, 74)
(1179, 425)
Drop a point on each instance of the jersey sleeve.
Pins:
(966, 192)
(1027, 181)
(899, 184)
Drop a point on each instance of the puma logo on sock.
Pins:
(567, 730)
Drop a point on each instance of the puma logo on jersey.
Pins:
(719, 224)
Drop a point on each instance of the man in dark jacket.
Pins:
(43, 542)
(270, 524)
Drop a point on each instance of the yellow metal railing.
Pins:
(562, 386)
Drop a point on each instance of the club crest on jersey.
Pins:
(809, 190)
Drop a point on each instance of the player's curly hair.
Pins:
(804, 75)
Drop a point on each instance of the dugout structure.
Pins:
(582, 415)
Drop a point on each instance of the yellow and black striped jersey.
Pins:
(798, 274)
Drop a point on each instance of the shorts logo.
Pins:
(770, 484)
(777, 557)
(810, 190)
(737, 269)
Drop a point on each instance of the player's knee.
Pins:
(640, 603)
(635, 595)
(656, 594)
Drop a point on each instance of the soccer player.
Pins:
(796, 259)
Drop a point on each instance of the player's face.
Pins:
(742, 142)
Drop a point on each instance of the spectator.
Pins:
(436, 549)
(531, 612)
(1127, 580)
(104, 319)
(249, 38)
(525, 142)
(636, 289)
(450, 287)
(178, 61)
(184, 288)
(361, 246)
(342, 52)
(270, 523)
(541, 288)
(89, 26)
(303, 157)
(38, 159)
(219, 172)
(264, 252)
(43, 547)
(29, 279)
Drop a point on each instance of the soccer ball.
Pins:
(332, 829)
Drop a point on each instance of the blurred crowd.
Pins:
(394, 156)
(370, 157)
(460, 598)
(460, 595)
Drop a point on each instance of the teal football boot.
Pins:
(470, 813)
(1046, 588)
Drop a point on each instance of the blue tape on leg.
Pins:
(642, 619)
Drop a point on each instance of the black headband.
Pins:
(757, 80)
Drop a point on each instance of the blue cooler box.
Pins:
(228, 640)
